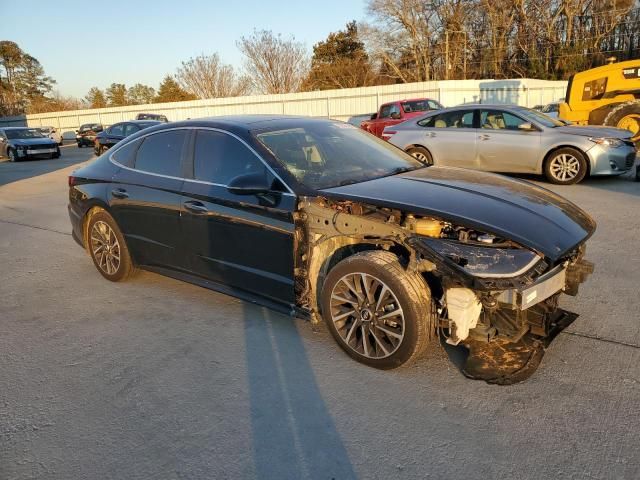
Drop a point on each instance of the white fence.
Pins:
(338, 104)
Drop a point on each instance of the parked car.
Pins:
(152, 116)
(319, 218)
(116, 132)
(551, 110)
(52, 133)
(501, 138)
(22, 143)
(86, 134)
(396, 112)
(538, 107)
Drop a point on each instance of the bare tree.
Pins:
(274, 64)
(206, 76)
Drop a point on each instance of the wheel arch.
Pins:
(555, 148)
(92, 207)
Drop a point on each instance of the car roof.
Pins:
(249, 122)
(18, 128)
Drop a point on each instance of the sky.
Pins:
(86, 44)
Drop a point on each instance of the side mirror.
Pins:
(395, 116)
(374, 116)
(249, 184)
(527, 127)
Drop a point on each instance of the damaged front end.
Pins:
(496, 297)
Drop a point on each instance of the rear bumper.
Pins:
(76, 225)
(611, 161)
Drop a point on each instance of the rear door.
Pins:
(502, 146)
(451, 138)
(145, 197)
(242, 241)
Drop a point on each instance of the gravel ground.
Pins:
(155, 378)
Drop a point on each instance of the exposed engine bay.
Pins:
(490, 294)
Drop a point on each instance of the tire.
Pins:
(392, 341)
(626, 116)
(97, 237)
(80, 145)
(56, 154)
(61, 142)
(565, 166)
(421, 154)
(11, 153)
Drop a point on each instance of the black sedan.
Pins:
(321, 219)
(22, 143)
(116, 132)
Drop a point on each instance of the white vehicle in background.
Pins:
(52, 133)
(551, 109)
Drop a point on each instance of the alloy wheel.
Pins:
(367, 315)
(564, 167)
(12, 155)
(421, 157)
(105, 247)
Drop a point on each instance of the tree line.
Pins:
(399, 41)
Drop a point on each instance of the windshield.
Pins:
(23, 133)
(86, 128)
(540, 117)
(329, 154)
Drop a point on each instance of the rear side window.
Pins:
(130, 129)
(161, 153)
(126, 154)
(218, 158)
(455, 119)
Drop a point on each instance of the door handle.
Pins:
(195, 207)
(119, 193)
(431, 134)
(484, 137)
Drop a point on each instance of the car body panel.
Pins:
(530, 215)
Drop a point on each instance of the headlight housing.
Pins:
(607, 142)
(484, 261)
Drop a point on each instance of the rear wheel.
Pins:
(379, 313)
(421, 154)
(626, 116)
(565, 166)
(107, 248)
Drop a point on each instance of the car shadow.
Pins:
(13, 172)
(294, 435)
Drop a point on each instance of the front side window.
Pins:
(328, 154)
(117, 130)
(500, 120)
(161, 153)
(387, 110)
(219, 158)
(454, 119)
(130, 129)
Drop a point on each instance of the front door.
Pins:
(503, 147)
(242, 241)
(145, 197)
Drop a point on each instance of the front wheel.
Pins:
(11, 153)
(107, 248)
(379, 313)
(421, 154)
(565, 166)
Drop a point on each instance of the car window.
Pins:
(388, 110)
(499, 120)
(161, 153)
(433, 105)
(416, 106)
(218, 158)
(130, 129)
(126, 154)
(117, 129)
(454, 119)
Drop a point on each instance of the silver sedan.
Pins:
(513, 139)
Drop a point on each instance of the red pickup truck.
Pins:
(396, 112)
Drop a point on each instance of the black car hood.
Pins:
(521, 211)
(32, 141)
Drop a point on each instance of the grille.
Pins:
(39, 147)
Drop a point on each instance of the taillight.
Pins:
(72, 181)
(387, 134)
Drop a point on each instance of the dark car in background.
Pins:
(321, 219)
(23, 143)
(116, 132)
(86, 134)
(152, 116)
